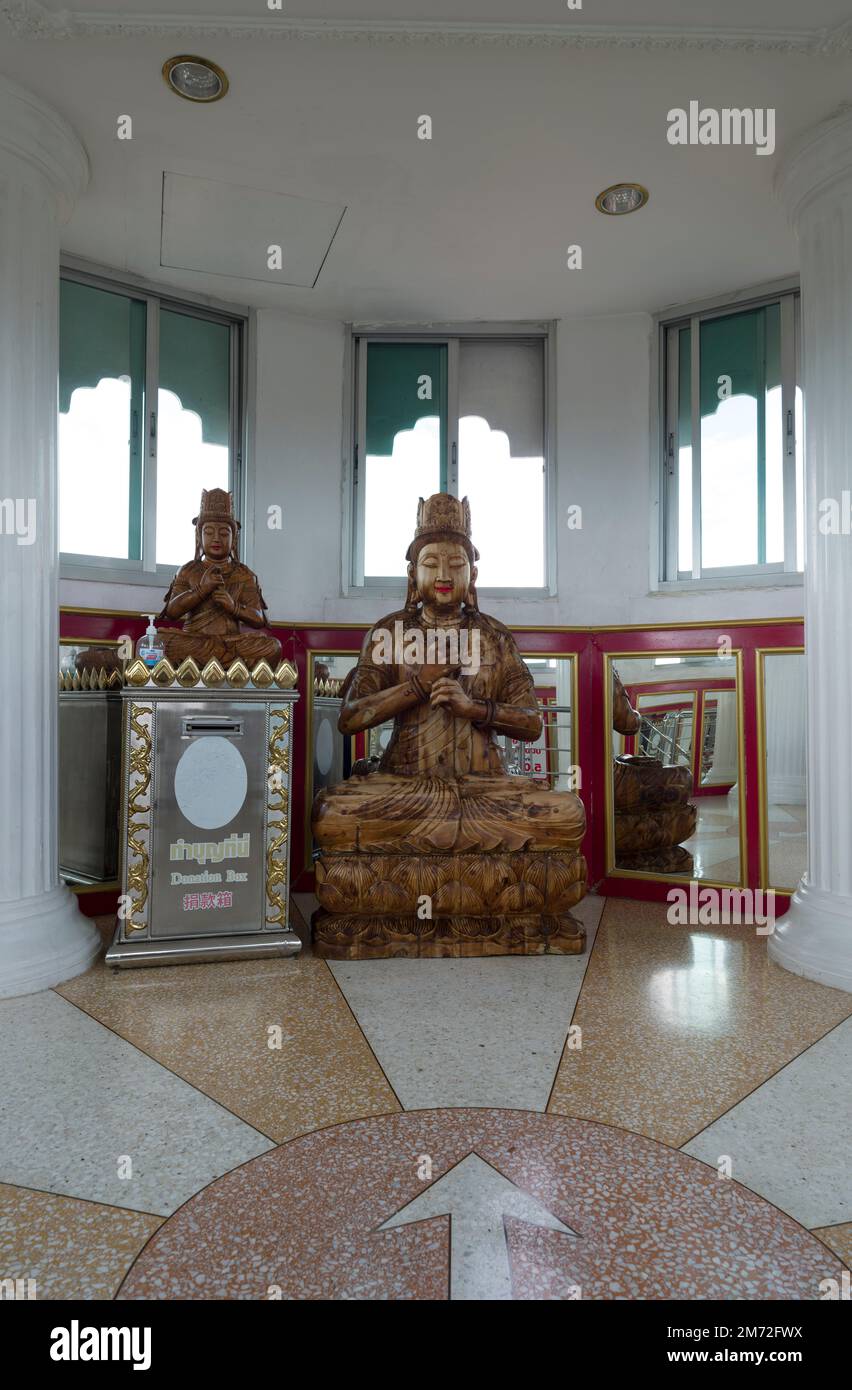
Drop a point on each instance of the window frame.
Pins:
(240, 321)
(667, 576)
(358, 336)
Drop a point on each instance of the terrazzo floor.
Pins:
(787, 838)
(664, 1117)
(715, 846)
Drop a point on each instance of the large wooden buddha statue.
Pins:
(439, 851)
(219, 598)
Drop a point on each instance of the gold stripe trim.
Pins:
(319, 625)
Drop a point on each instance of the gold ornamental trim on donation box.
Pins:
(214, 676)
(277, 817)
(90, 680)
(138, 842)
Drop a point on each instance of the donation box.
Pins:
(205, 829)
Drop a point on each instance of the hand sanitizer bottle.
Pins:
(150, 648)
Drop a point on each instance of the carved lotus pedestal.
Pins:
(375, 905)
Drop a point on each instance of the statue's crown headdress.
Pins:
(442, 518)
(216, 505)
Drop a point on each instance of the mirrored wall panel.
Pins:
(674, 803)
(719, 739)
(784, 848)
(89, 764)
(332, 753)
(550, 760)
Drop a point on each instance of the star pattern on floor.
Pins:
(139, 1100)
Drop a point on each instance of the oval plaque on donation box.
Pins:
(211, 782)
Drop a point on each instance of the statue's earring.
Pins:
(411, 599)
(471, 601)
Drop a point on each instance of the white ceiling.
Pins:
(695, 14)
(475, 223)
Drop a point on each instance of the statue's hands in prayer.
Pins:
(211, 580)
(451, 696)
(223, 599)
(430, 675)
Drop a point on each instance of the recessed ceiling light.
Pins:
(197, 79)
(622, 198)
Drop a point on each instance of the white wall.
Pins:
(605, 393)
(604, 404)
(298, 441)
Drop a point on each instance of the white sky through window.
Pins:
(508, 535)
(94, 473)
(94, 470)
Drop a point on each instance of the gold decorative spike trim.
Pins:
(286, 675)
(138, 817)
(330, 686)
(100, 680)
(262, 676)
(137, 673)
(187, 673)
(164, 672)
(213, 673)
(238, 674)
(277, 830)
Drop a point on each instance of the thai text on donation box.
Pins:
(208, 852)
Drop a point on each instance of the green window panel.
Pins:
(148, 414)
(684, 449)
(462, 414)
(102, 339)
(194, 416)
(747, 457)
(740, 357)
(195, 363)
(406, 382)
(405, 445)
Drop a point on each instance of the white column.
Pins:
(815, 184)
(43, 167)
(725, 765)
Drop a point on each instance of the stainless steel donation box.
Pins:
(205, 826)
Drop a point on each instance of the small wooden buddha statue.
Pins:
(219, 599)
